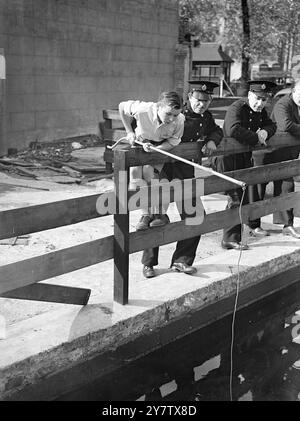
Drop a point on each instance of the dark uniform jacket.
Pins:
(200, 126)
(241, 123)
(196, 127)
(286, 115)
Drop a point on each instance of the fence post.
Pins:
(121, 228)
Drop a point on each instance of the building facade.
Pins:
(67, 60)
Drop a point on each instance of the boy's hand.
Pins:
(262, 136)
(209, 147)
(147, 147)
(131, 137)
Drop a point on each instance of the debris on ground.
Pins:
(66, 161)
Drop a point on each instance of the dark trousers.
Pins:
(281, 187)
(235, 196)
(185, 251)
(230, 163)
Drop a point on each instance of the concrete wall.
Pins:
(67, 60)
(182, 69)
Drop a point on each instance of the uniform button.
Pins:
(250, 119)
(200, 124)
(197, 133)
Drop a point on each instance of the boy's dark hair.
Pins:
(171, 98)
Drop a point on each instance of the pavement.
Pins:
(45, 338)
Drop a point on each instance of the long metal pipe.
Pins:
(186, 161)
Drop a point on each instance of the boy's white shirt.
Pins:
(148, 126)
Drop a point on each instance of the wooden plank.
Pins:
(111, 135)
(111, 115)
(190, 150)
(50, 293)
(121, 231)
(46, 216)
(214, 184)
(39, 268)
(108, 157)
(252, 176)
(10, 161)
(137, 156)
(215, 221)
(21, 185)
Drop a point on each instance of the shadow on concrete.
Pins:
(91, 318)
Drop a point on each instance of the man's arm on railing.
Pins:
(214, 132)
(233, 125)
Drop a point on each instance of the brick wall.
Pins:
(67, 60)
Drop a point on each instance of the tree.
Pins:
(204, 17)
(246, 49)
(273, 24)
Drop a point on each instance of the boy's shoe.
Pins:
(228, 245)
(259, 232)
(290, 230)
(144, 222)
(160, 220)
(148, 272)
(184, 268)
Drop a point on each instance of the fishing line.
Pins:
(243, 186)
(237, 294)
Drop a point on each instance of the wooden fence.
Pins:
(21, 279)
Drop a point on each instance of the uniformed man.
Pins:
(286, 114)
(247, 121)
(199, 125)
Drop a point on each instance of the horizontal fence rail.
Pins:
(212, 222)
(39, 268)
(190, 150)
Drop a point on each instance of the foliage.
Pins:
(273, 25)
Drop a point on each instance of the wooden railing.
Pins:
(126, 243)
(21, 279)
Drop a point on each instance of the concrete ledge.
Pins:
(41, 346)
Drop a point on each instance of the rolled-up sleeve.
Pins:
(175, 139)
(131, 108)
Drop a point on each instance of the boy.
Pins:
(159, 124)
(199, 125)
